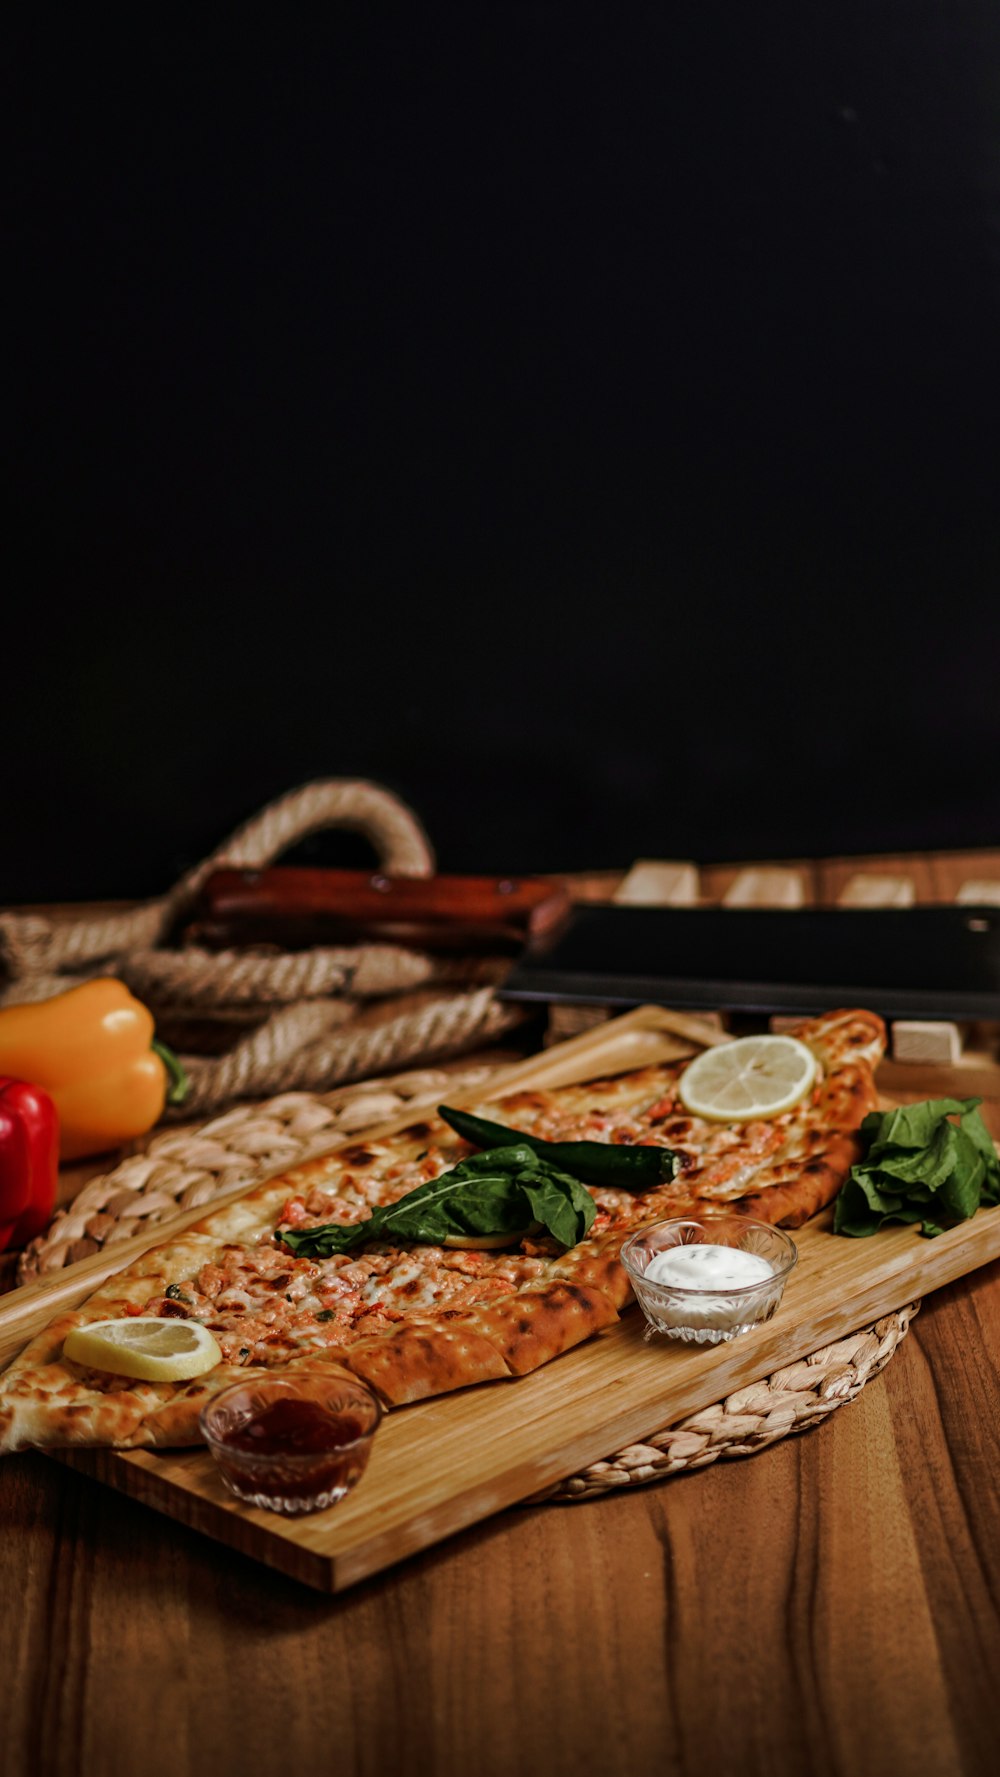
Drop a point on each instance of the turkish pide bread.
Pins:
(413, 1318)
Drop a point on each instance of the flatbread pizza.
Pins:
(413, 1318)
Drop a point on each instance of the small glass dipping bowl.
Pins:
(709, 1315)
(292, 1443)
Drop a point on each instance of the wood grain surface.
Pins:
(830, 1606)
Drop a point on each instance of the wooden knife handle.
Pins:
(239, 905)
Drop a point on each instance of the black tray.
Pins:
(933, 962)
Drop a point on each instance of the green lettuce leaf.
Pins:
(503, 1191)
(918, 1160)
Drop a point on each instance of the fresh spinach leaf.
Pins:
(933, 1163)
(503, 1191)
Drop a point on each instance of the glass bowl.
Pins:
(293, 1443)
(709, 1315)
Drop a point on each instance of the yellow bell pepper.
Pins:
(92, 1049)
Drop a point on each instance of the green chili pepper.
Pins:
(613, 1166)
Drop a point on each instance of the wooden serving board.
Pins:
(442, 1465)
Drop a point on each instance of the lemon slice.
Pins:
(152, 1349)
(750, 1078)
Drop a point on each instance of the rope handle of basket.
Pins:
(33, 946)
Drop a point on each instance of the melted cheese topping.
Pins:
(264, 1305)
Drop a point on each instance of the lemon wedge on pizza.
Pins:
(751, 1078)
(145, 1347)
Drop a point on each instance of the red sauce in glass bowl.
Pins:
(291, 1444)
(291, 1426)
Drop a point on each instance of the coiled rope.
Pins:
(305, 1005)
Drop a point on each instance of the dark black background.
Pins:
(584, 420)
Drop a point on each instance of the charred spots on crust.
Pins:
(358, 1155)
(794, 1218)
(669, 1125)
(419, 1131)
(527, 1100)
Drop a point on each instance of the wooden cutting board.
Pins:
(442, 1465)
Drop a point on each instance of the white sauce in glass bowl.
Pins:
(698, 1289)
(706, 1267)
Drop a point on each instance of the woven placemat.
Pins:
(752, 1418)
(187, 1168)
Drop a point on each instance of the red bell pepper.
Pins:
(29, 1161)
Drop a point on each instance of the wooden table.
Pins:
(831, 1605)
